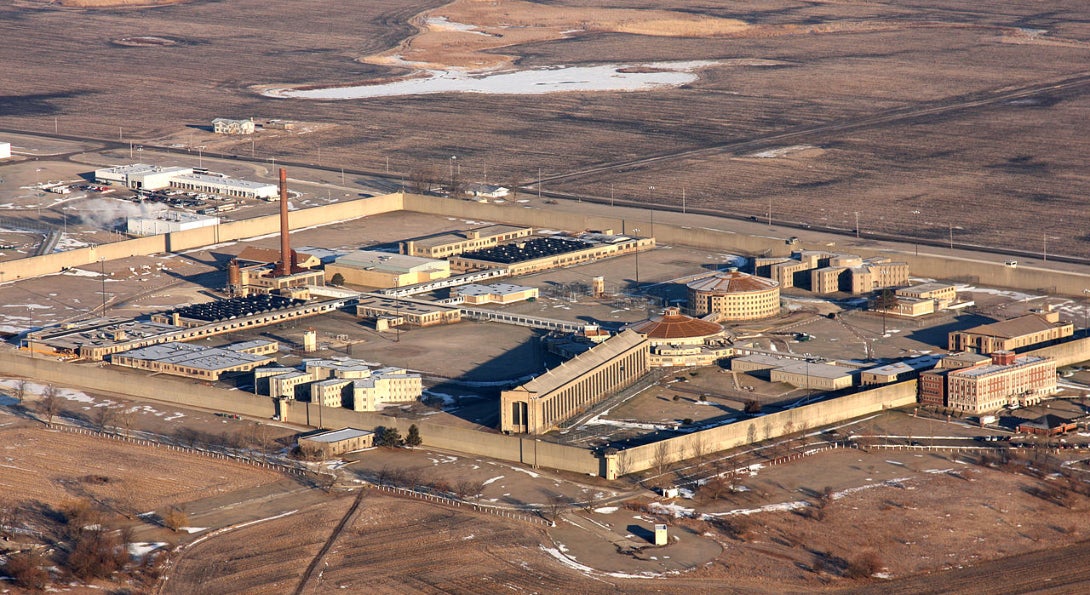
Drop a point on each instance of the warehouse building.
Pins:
(815, 376)
(225, 186)
(569, 389)
(191, 361)
(497, 293)
(141, 176)
(370, 268)
(392, 312)
(168, 222)
(549, 252)
(337, 442)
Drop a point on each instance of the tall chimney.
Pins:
(284, 268)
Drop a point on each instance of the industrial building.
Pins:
(370, 268)
(205, 363)
(449, 244)
(223, 185)
(675, 339)
(168, 222)
(228, 126)
(391, 312)
(221, 310)
(549, 252)
(1032, 330)
(141, 176)
(337, 442)
(734, 296)
(497, 293)
(815, 376)
(73, 339)
(556, 396)
(252, 255)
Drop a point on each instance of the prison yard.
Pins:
(469, 297)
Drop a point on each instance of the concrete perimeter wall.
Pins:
(765, 427)
(1065, 354)
(925, 265)
(190, 393)
(196, 238)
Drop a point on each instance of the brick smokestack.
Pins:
(284, 268)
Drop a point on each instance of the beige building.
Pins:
(815, 376)
(1010, 335)
(679, 340)
(828, 272)
(228, 126)
(546, 253)
(878, 273)
(192, 361)
(370, 268)
(942, 294)
(336, 442)
(342, 383)
(571, 388)
(445, 245)
(1008, 380)
(734, 296)
(390, 312)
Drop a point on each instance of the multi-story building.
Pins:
(566, 390)
(342, 383)
(371, 268)
(1008, 380)
(1009, 335)
(734, 296)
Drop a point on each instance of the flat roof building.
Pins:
(371, 268)
(448, 244)
(168, 222)
(496, 293)
(336, 442)
(1008, 380)
(141, 176)
(815, 376)
(225, 186)
(192, 361)
(391, 312)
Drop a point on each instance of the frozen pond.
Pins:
(608, 77)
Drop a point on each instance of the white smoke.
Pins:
(109, 214)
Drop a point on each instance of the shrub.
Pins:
(27, 570)
(864, 565)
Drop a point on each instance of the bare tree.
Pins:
(422, 179)
(698, 447)
(104, 417)
(557, 505)
(661, 456)
(50, 404)
(23, 385)
(127, 418)
(8, 515)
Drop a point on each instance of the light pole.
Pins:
(682, 200)
(200, 157)
(917, 234)
(452, 158)
(102, 266)
(635, 232)
(857, 224)
(1044, 246)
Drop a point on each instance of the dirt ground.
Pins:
(137, 479)
(891, 105)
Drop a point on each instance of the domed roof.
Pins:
(672, 324)
(733, 281)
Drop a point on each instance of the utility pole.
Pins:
(682, 200)
(857, 224)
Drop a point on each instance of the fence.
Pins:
(236, 457)
(493, 510)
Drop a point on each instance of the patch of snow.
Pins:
(606, 510)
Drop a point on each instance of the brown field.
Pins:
(51, 467)
(927, 518)
(909, 108)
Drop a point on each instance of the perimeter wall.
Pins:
(191, 239)
(924, 265)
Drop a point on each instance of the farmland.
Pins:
(815, 111)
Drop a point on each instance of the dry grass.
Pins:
(52, 467)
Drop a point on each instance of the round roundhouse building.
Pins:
(735, 296)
